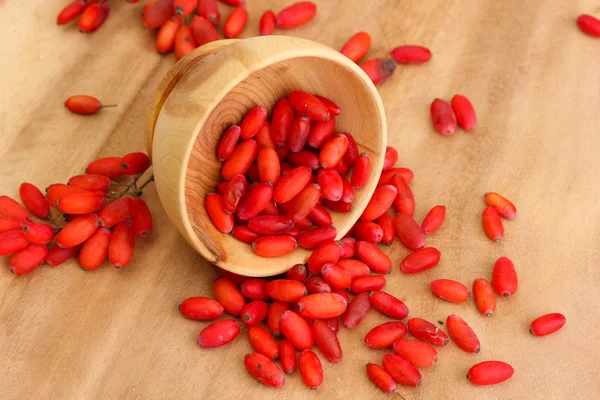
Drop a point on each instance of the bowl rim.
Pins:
(169, 81)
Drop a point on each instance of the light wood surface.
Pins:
(533, 78)
(217, 92)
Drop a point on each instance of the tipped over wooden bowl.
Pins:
(212, 88)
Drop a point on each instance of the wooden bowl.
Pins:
(211, 89)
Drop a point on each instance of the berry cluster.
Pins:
(100, 223)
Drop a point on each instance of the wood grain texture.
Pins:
(533, 78)
(217, 92)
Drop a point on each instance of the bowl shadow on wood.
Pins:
(216, 92)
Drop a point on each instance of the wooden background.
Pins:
(534, 80)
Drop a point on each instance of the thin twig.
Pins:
(141, 188)
(133, 185)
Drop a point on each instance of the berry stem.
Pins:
(141, 188)
(133, 185)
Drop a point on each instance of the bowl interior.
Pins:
(361, 115)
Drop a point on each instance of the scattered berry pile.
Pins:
(281, 180)
(100, 223)
(309, 303)
(184, 25)
(302, 314)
